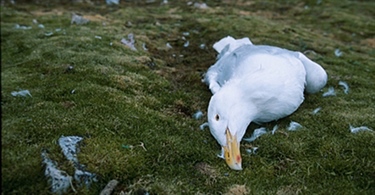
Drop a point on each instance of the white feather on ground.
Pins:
(330, 92)
(316, 110)
(338, 53)
(345, 85)
(275, 129)
(129, 42)
(294, 126)
(252, 151)
(198, 115)
(358, 129)
(202, 126)
(257, 133)
(22, 93)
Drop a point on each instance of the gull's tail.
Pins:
(316, 76)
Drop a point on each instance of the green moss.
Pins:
(116, 98)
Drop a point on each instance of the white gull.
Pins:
(255, 83)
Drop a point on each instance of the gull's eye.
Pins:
(217, 117)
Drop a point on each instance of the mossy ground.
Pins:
(125, 97)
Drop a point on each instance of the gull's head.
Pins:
(228, 120)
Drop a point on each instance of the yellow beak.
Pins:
(232, 153)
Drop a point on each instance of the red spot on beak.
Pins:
(238, 158)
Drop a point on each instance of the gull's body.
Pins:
(255, 83)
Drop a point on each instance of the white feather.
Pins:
(338, 53)
(345, 85)
(202, 126)
(275, 129)
(198, 115)
(316, 110)
(22, 93)
(257, 133)
(252, 151)
(330, 92)
(358, 129)
(294, 126)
